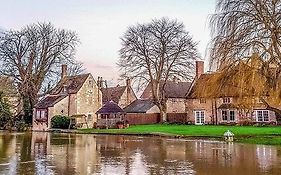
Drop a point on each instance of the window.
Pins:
(231, 115)
(226, 100)
(224, 115)
(199, 117)
(41, 114)
(202, 100)
(228, 115)
(91, 83)
(262, 115)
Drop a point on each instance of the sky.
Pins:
(101, 23)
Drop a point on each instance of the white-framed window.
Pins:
(226, 100)
(228, 115)
(262, 115)
(41, 114)
(231, 115)
(199, 117)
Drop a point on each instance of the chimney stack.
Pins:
(199, 68)
(63, 71)
(128, 82)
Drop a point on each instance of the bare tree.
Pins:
(33, 55)
(244, 31)
(155, 52)
(242, 28)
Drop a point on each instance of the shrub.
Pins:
(60, 121)
(5, 114)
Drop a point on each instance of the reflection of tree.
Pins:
(25, 147)
(5, 144)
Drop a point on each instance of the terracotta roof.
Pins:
(50, 101)
(172, 89)
(71, 83)
(139, 106)
(112, 93)
(110, 107)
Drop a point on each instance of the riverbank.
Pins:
(243, 134)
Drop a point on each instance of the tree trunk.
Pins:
(277, 113)
(163, 113)
(28, 109)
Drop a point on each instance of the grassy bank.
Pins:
(243, 134)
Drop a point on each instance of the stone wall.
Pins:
(127, 98)
(213, 113)
(176, 105)
(87, 101)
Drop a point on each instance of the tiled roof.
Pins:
(50, 100)
(172, 89)
(71, 83)
(112, 93)
(139, 106)
(110, 107)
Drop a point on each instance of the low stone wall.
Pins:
(142, 118)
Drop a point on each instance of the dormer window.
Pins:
(202, 100)
(226, 100)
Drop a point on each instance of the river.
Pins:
(56, 153)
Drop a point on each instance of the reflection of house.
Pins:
(222, 109)
(73, 96)
(122, 95)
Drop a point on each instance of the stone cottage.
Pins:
(223, 109)
(122, 95)
(75, 96)
(175, 91)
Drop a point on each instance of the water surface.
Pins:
(50, 153)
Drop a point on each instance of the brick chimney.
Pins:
(199, 68)
(63, 71)
(128, 82)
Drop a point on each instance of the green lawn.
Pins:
(244, 134)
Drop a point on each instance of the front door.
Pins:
(199, 117)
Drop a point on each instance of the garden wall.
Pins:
(142, 118)
(177, 118)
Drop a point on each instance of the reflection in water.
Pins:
(50, 153)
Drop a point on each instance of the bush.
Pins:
(5, 113)
(60, 121)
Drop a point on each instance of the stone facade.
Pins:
(217, 111)
(122, 95)
(78, 97)
(176, 105)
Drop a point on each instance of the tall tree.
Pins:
(32, 56)
(243, 32)
(157, 51)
